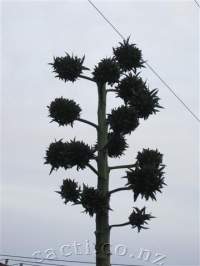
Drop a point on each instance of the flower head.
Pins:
(139, 218)
(149, 157)
(128, 56)
(68, 68)
(123, 120)
(64, 111)
(79, 154)
(135, 92)
(69, 154)
(146, 102)
(146, 181)
(107, 70)
(129, 86)
(70, 191)
(92, 200)
(55, 155)
(116, 144)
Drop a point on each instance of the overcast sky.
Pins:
(33, 217)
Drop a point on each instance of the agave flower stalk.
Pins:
(144, 175)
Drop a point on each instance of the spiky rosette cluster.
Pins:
(68, 155)
(134, 91)
(123, 120)
(148, 177)
(128, 56)
(129, 86)
(55, 155)
(139, 218)
(64, 111)
(68, 68)
(149, 157)
(70, 191)
(146, 102)
(79, 154)
(92, 200)
(107, 70)
(116, 144)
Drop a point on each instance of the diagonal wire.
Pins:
(37, 263)
(197, 3)
(172, 91)
(148, 65)
(25, 261)
(109, 22)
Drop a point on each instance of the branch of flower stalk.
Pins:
(122, 166)
(119, 189)
(93, 169)
(119, 225)
(85, 77)
(111, 90)
(87, 122)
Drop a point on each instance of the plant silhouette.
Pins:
(144, 176)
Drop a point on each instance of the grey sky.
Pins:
(33, 217)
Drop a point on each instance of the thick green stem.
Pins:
(102, 217)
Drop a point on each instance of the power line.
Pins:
(34, 263)
(46, 263)
(148, 65)
(172, 91)
(43, 259)
(109, 22)
(197, 3)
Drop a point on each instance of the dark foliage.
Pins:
(79, 154)
(149, 157)
(69, 154)
(123, 120)
(64, 111)
(107, 70)
(128, 56)
(68, 68)
(139, 218)
(92, 200)
(134, 91)
(129, 86)
(146, 102)
(146, 181)
(116, 144)
(148, 177)
(70, 191)
(55, 155)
